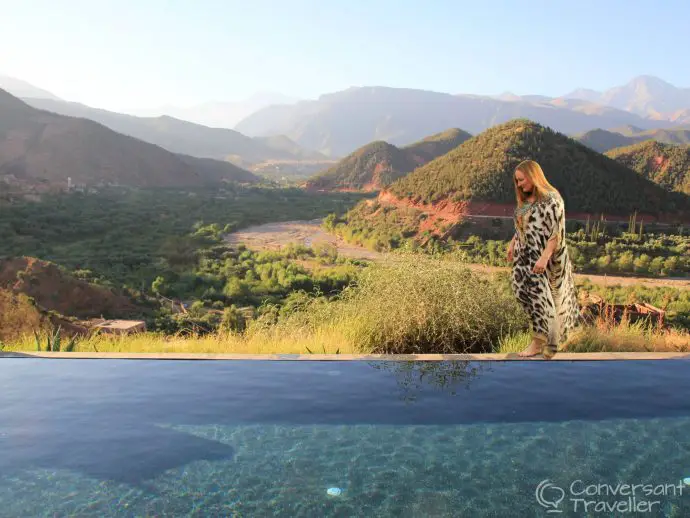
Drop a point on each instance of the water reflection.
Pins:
(415, 377)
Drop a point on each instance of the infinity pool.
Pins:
(350, 438)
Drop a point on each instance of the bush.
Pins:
(232, 320)
(414, 305)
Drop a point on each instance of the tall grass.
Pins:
(607, 335)
(220, 343)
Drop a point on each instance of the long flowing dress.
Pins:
(549, 298)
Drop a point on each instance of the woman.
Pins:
(542, 272)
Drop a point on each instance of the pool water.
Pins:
(351, 438)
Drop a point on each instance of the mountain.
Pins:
(336, 123)
(181, 136)
(667, 165)
(37, 146)
(438, 144)
(481, 169)
(369, 168)
(20, 88)
(219, 114)
(647, 96)
(379, 163)
(603, 140)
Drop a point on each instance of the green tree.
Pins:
(656, 265)
(233, 319)
(625, 261)
(671, 265)
(642, 263)
(603, 263)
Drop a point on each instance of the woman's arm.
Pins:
(540, 265)
(554, 240)
(550, 248)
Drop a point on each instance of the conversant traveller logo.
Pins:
(550, 496)
(606, 498)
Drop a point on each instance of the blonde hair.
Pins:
(533, 171)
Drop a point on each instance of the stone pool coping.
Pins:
(349, 357)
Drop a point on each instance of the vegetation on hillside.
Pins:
(377, 164)
(376, 226)
(482, 169)
(372, 166)
(664, 164)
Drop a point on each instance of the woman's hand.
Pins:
(540, 265)
(509, 253)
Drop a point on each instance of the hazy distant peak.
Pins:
(20, 88)
(648, 80)
(585, 94)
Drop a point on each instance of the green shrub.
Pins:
(414, 305)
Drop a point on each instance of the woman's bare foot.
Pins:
(533, 350)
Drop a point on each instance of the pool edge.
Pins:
(350, 357)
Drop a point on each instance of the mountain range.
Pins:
(336, 124)
(40, 147)
(184, 137)
(647, 96)
(339, 122)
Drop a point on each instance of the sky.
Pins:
(138, 54)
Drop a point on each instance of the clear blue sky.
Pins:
(124, 54)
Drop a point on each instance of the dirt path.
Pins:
(605, 280)
(273, 236)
